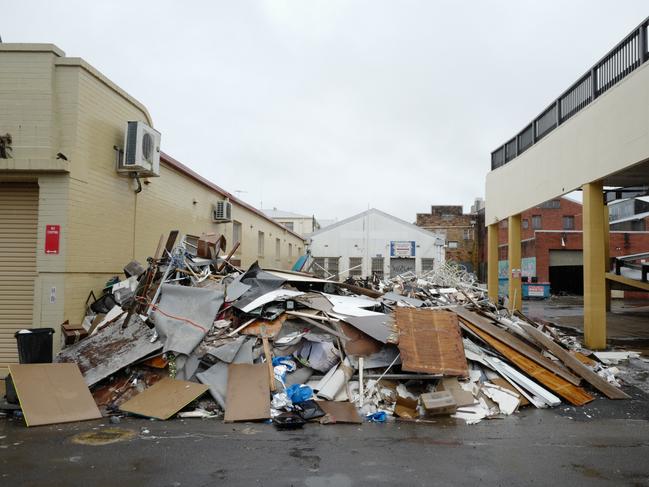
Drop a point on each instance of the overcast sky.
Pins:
(328, 107)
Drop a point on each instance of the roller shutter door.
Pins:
(18, 225)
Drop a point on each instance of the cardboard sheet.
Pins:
(164, 398)
(430, 342)
(52, 393)
(248, 393)
(341, 412)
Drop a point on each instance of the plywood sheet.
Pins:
(52, 393)
(573, 394)
(341, 412)
(248, 393)
(520, 346)
(430, 342)
(164, 398)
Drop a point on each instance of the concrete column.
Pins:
(492, 262)
(594, 278)
(514, 251)
(607, 256)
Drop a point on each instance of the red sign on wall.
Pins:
(52, 237)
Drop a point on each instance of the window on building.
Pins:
(355, 266)
(427, 265)
(525, 224)
(537, 224)
(260, 244)
(452, 244)
(299, 251)
(377, 267)
(332, 267)
(503, 223)
(278, 249)
(468, 234)
(288, 225)
(551, 205)
(290, 250)
(236, 233)
(568, 222)
(447, 217)
(318, 266)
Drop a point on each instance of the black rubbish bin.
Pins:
(35, 345)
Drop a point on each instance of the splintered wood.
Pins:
(430, 342)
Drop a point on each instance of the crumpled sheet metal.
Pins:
(260, 282)
(110, 349)
(185, 315)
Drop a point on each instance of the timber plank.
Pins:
(571, 393)
(574, 364)
(513, 342)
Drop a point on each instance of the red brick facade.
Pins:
(553, 236)
(459, 229)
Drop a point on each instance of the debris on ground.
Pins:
(191, 335)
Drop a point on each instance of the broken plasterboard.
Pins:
(430, 342)
(164, 398)
(248, 393)
(52, 393)
(111, 349)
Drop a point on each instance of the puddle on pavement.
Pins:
(103, 437)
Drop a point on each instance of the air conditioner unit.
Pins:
(141, 150)
(222, 212)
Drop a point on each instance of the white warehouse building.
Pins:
(374, 242)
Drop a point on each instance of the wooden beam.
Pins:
(510, 340)
(574, 364)
(571, 393)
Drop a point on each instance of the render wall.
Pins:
(52, 104)
(611, 134)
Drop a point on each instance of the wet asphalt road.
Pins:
(605, 443)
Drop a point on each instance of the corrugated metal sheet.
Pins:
(18, 227)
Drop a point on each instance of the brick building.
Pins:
(551, 246)
(459, 230)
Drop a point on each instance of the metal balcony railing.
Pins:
(620, 61)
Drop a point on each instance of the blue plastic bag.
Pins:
(298, 393)
(377, 417)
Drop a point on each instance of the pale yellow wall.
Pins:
(302, 226)
(27, 106)
(52, 104)
(609, 135)
(251, 225)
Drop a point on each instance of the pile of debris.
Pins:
(193, 335)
